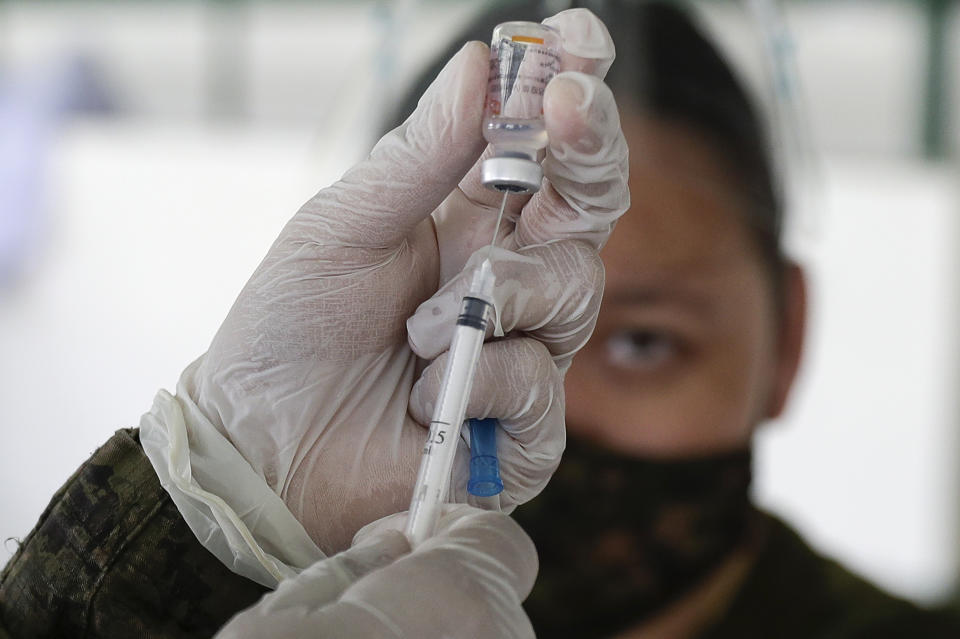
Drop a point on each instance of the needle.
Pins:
(496, 227)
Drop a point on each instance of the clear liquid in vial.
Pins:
(519, 136)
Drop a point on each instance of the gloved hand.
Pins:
(310, 375)
(467, 581)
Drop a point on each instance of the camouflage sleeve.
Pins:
(111, 556)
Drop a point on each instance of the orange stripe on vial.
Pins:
(526, 39)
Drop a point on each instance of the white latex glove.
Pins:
(467, 581)
(311, 373)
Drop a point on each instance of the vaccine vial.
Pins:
(524, 57)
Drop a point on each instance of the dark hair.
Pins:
(668, 67)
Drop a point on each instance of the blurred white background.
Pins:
(126, 233)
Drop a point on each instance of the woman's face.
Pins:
(688, 354)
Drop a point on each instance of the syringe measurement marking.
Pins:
(435, 437)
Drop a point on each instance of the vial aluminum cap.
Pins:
(516, 175)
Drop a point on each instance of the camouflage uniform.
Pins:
(790, 593)
(112, 557)
(793, 592)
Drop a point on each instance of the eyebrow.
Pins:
(658, 295)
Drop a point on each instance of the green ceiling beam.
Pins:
(936, 142)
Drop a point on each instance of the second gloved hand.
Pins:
(467, 581)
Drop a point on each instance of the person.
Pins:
(303, 421)
(647, 529)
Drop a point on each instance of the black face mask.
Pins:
(620, 538)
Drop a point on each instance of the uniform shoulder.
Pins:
(793, 591)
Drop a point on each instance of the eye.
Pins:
(641, 349)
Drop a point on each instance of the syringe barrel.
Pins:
(433, 479)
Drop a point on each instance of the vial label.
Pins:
(519, 73)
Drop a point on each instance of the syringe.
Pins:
(524, 57)
(433, 480)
